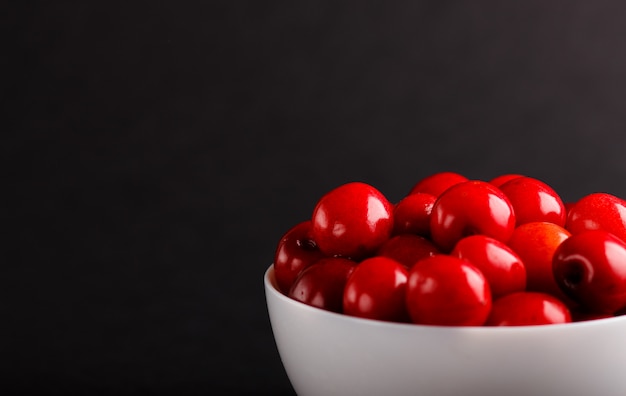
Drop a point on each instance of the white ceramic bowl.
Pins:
(326, 354)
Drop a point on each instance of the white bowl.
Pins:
(326, 354)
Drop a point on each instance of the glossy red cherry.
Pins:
(296, 251)
(598, 211)
(590, 267)
(501, 179)
(534, 200)
(376, 289)
(536, 243)
(352, 220)
(322, 284)
(528, 308)
(412, 214)
(469, 208)
(437, 183)
(447, 291)
(502, 267)
(407, 249)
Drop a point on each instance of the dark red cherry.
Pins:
(437, 183)
(322, 284)
(590, 268)
(296, 251)
(376, 290)
(407, 249)
(412, 214)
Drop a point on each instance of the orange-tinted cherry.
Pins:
(536, 243)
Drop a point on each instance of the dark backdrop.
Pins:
(156, 151)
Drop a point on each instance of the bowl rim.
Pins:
(271, 289)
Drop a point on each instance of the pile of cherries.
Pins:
(459, 252)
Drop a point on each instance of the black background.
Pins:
(155, 152)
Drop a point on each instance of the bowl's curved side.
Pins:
(331, 354)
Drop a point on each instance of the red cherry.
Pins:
(534, 200)
(590, 267)
(296, 251)
(352, 220)
(468, 208)
(528, 308)
(464, 248)
(322, 284)
(376, 290)
(412, 214)
(407, 249)
(501, 179)
(536, 243)
(437, 183)
(447, 291)
(502, 267)
(598, 211)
